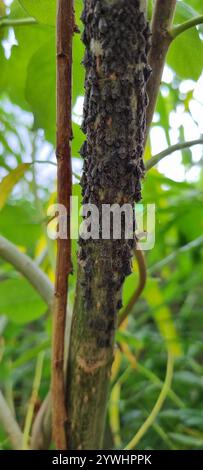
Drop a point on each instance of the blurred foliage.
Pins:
(169, 314)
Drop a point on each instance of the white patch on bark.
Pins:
(96, 48)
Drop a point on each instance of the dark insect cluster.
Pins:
(117, 39)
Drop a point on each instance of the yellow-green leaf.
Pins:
(163, 317)
(10, 180)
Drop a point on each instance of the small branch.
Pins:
(181, 28)
(142, 281)
(161, 22)
(28, 268)
(10, 425)
(33, 399)
(65, 28)
(41, 430)
(154, 413)
(157, 158)
(189, 246)
(8, 22)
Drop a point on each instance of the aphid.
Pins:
(147, 71)
(102, 26)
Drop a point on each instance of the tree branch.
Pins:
(28, 268)
(181, 28)
(65, 27)
(8, 22)
(157, 158)
(161, 39)
(142, 281)
(9, 424)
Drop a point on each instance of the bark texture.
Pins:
(116, 36)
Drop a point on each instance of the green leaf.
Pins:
(187, 441)
(40, 88)
(14, 70)
(162, 316)
(19, 223)
(19, 301)
(185, 51)
(131, 340)
(43, 10)
(10, 180)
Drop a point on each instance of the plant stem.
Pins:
(41, 429)
(33, 399)
(142, 281)
(161, 23)
(8, 22)
(103, 264)
(10, 425)
(157, 158)
(181, 28)
(164, 262)
(28, 268)
(161, 399)
(64, 189)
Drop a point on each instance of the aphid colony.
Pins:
(117, 39)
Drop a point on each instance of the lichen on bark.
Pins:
(116, 36)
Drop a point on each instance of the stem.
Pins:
(10, 425)
(41, 430)
(114, 118)
(33, 399)
(157, 158)
(181, 28)
(28, 268)
(161, 22)
(142, 281)
(65, 28)
(189, 246)
(7, 22)
(161, 399)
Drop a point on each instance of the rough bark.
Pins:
(64, 180)
(116, 37)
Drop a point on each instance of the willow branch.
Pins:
(8, 22)
(181, 28)
(154, 413)
(65, 27)
(26, 266)
(157, 158)
(161, 24)
(142, 281)
(10, 425)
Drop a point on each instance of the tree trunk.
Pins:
(116, 37)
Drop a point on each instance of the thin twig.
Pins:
(41, 430)
(159, 403)
(157, 158)
(33, 399)
(8, 22)
(28, 268)
(142, 281)
(9, 424)
(181, 28)
(65, 28)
